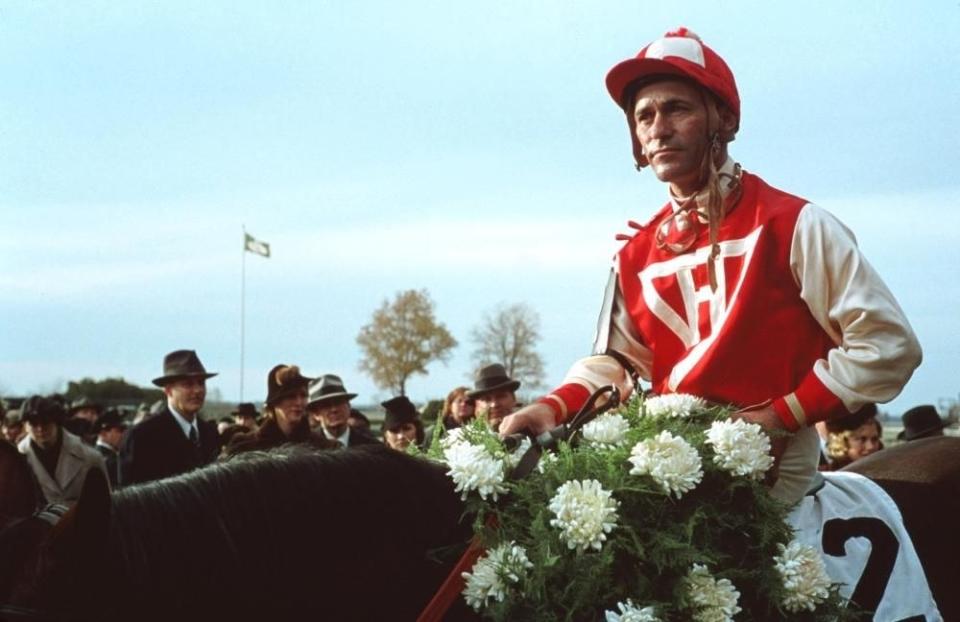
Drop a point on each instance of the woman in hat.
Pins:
(285, 415)
(853, 437)
(401, 425)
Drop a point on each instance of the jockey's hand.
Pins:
(766, 417)
(533, 418)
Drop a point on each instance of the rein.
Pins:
(453, 585)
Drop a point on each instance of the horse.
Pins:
(291, 534)
(923, 479)
(269, 537)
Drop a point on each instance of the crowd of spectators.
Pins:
(63, 441)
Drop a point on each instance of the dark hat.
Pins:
(921, 421)
(84, 402)
(247, 409)
(37, 409)
(853, 420)
(181, 364)
(328, 388)
(284, 381)
(400, 410)
(110, 419)
(493, 378)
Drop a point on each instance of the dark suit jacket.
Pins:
(110, 460)
(361, 437)
(158, 448)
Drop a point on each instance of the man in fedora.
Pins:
(246, 415)
(109, 428)
(496, 394)
(175, 440)
(921, 422)
(59, 459)
(329, 409)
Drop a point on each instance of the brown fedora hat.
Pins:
(328, 388)
(181, 364)
(493, 378)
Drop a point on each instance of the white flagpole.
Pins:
(243, 285)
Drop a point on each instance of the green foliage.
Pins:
(111, 391)
(730, 524)
(402, 338)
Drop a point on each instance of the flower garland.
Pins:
(651, 514)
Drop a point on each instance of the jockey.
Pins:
(734, 291)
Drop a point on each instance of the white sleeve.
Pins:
(877, 350)
(615, 332)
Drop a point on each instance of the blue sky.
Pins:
(466, 148)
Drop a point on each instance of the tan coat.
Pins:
(72, 466)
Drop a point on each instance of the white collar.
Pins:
(185, 425)
(343, 438)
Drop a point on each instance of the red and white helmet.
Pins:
(679, 53)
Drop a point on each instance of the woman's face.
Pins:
(401, 436)
(463, 408)
(291, 410)
(863, 441)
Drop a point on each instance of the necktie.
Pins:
(194, 438)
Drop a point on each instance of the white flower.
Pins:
(741, 448)
(547, 460)
(715, 599)
(513, 459)
(585, 514)
(493, 573)
(452, 437)
(473, 468)
(673, 405)
(606, 430)
(804, 576)
(631, 613)
(670, 460)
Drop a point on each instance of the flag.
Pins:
(254, 245)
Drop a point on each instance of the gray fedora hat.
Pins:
(327, 388)
(181, 364)
(493, 378)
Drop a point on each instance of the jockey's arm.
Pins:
(618, 347)
(876, 350)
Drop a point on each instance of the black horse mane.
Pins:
(305, 531)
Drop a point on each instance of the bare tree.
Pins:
(402, 338)
(509, 336)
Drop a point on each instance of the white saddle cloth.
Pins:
(859, 531)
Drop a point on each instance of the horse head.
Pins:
(50, 557)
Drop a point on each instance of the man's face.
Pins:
(90, 414)
(246, 421)
(671, 125)
(43, 433)
(187, 395)
(332, 416)
(112, 436)
(497, 404)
